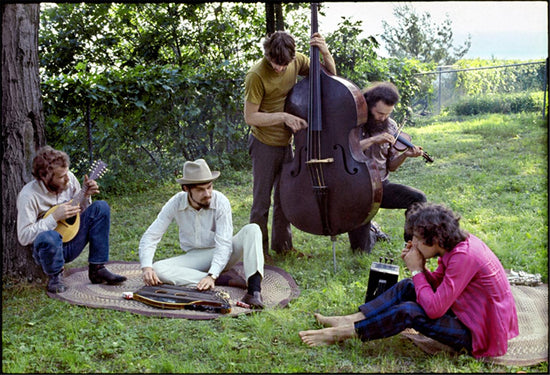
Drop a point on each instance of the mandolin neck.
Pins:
(80, 197)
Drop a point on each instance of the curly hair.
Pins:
(46, 160)
(280, 47)
(434, 222)
(385, 91)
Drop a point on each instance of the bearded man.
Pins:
(55, 186)
(210, 250)
(378, 137)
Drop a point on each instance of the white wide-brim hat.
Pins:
(197, 172)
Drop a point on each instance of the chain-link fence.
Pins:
(447, 86)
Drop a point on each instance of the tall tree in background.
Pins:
(22, 126)
(417, 37)
(273, 17)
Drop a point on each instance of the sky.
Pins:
(498, 29)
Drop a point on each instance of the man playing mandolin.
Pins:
(55, 186)
(203, 216)
(379, 134)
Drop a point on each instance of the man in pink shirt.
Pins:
(465, 303)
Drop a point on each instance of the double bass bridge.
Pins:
(320, 161)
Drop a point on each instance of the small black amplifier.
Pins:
(382, 276)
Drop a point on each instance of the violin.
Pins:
(403, 142)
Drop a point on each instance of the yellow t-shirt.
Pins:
(268, 89)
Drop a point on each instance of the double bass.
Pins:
(329, 187)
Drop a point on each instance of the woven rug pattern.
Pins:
(278, 289)
(529, 348)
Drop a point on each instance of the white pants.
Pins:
(190, 268)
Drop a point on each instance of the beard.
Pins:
(55, 187)
(205, 203)
(373, 127)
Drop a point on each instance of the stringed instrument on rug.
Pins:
(180, 297)
(68, 228)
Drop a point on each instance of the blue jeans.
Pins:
(397, 309)
(51, 253)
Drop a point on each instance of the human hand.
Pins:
(91, 186)
(295, 123)
(414, 260)
(406, 249)
(65, 211)
(318, 41)
(150, 277)
(206, 283)
(384, 138)
(414, 152)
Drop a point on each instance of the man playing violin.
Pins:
(377, 143)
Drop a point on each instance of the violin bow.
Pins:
(399, 129)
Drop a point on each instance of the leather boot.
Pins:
(99, 274)
(254, 300)
(56, 284)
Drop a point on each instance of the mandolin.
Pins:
(69, 227)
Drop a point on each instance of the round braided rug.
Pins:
(529, 348)
(278, 289)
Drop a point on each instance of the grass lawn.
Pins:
(490, 169)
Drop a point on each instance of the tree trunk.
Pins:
(22, 127)
(273, 17)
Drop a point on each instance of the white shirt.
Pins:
(206, 228)
(33, 201)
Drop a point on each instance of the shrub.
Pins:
(499, 103)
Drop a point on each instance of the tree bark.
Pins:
(273, 17)
(22, 128)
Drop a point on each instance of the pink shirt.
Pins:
(471, 281)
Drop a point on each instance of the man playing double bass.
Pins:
(266, 87)
(378, 137)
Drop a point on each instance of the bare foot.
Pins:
(338, 321)
(327, 336)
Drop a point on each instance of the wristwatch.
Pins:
(415, 272)
(212, 276)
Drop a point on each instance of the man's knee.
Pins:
(48, 241)
(252, 230)
(411, 313)
(102, 207)
(48, 251)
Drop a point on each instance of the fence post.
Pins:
(545, 90)
(439, 91)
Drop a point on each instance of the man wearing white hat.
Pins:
(203, 216)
